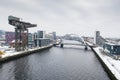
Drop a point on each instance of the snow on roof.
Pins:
(113, 44)
(13, 41)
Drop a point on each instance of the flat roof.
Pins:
(112, 44)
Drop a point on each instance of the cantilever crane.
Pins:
(21, 29)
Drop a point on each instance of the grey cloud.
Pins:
(64, 14)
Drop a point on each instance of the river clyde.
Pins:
(68, 63)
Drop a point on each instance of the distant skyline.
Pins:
(82, 17)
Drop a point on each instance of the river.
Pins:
(68, 63)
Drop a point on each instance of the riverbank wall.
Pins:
(16, 55)
(106, 67)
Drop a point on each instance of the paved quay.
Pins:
(9, 55)
(112, 64)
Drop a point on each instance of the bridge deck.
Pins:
(73, 44)
(85, 44)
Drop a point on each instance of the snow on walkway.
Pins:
(112, 64)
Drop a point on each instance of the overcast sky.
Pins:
(81, 17)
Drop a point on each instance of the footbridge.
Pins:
(78, 43)
(82, 41)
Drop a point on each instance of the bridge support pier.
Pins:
(86, 48)
(54, 44)
(61, 45)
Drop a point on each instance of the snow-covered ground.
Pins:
(11, 52)
(7, 51)
(3, 48)
(112, 64)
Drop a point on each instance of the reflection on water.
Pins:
(55, 64)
